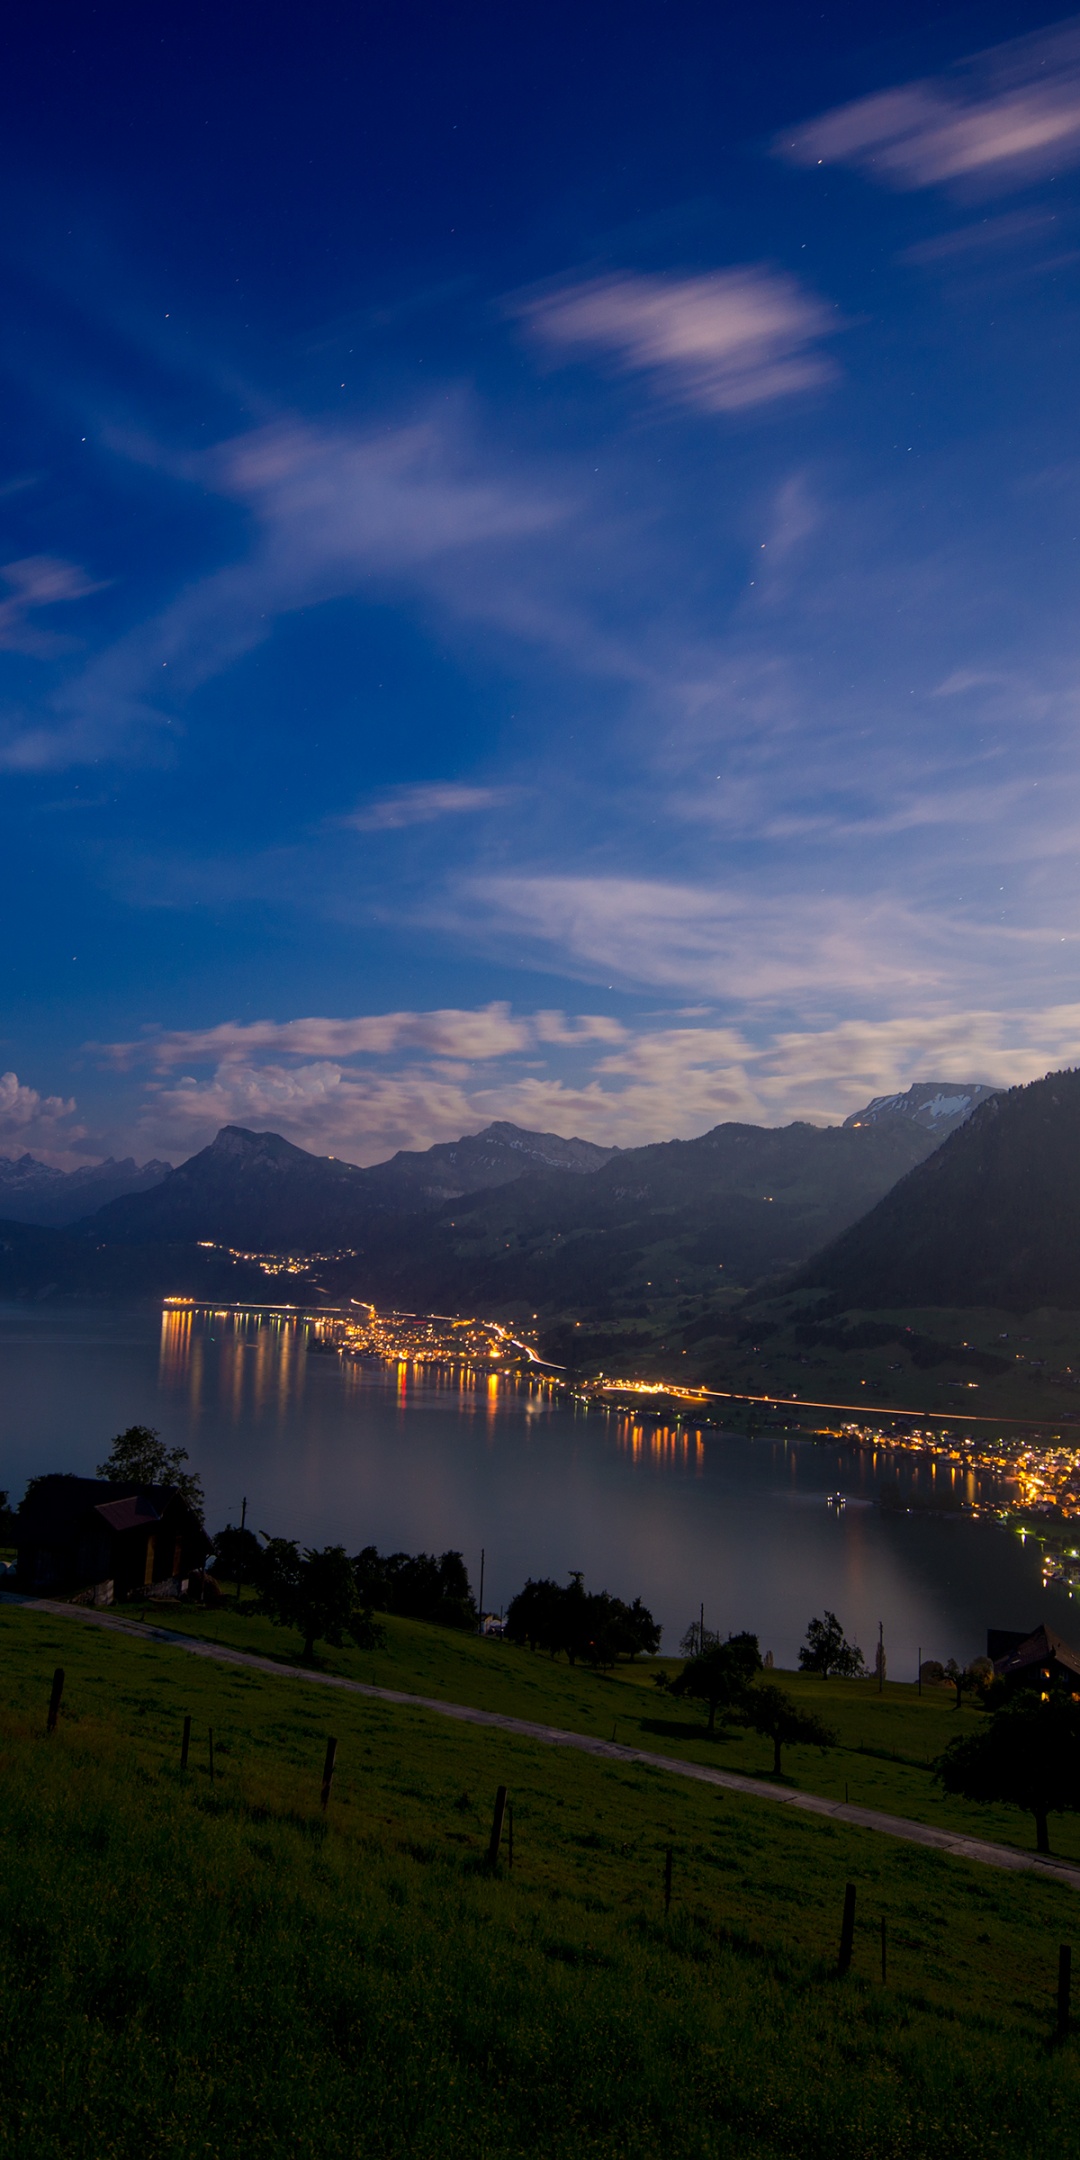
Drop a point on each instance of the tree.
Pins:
(315, 1592)
(827, 1650)
(961, 1678)
(1027, 1754)
(721, 1674)
(532, 1616)
(139, 1456)
(775, 1714)
(642, 1631)
(610, 1629)
(237, 1555)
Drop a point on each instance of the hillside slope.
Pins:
(990, 1219)
(39, 1262)
(329, 1985)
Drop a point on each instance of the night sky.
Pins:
(540, 554)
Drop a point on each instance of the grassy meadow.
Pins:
(194, 1968)
(888, 1742)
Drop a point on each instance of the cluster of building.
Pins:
(275, 1263)
(1045, 1474)
(425, 1339)
(361, 1331)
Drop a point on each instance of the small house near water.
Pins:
(106, 1541)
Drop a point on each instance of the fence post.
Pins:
(54, 1699)
(328, 1772)
(847, 1930)
(668, 1865)
(185, 1743)
(1064, 1988)
(497, 1826)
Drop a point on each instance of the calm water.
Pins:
(360, 1454)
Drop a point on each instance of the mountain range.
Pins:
(739, 1204)
(991, 1218)
(33, 1192)
(258, 1192)
(504, 1217)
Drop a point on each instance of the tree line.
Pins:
(578, 1623)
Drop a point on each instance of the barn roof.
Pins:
(1044, 1647)
(131, 1513)
(56, 1504)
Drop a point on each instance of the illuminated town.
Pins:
(275, 1263)
(360, 1331)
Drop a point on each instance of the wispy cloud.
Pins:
(655, 1084)
(1000, 120)
(722, 342)
(334, 511)
(422, 805)
(491, 1031)
(1012, 228)
(716, 942)
(38, 581)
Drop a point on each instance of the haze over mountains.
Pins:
(503, 1217)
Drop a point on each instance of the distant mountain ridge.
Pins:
(990, 1219)
(33, 1192)
(500, 1218)
(739, 1203)
(934, 1104)
(259, 1192)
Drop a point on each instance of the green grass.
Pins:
(192, 1970)
(888, 1741)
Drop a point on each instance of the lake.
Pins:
(334, 1451)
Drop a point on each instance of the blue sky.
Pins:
(539, 567)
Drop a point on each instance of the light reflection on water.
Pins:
(327, 1448)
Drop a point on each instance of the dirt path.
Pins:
(860, 1818)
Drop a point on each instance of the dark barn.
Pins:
(1033, 1660)
(93, 1535)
